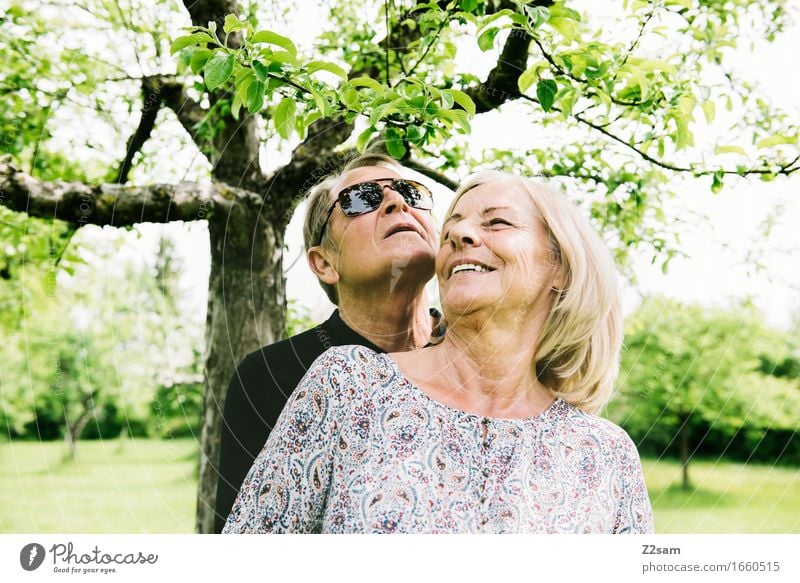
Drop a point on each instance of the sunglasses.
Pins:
(365, 197)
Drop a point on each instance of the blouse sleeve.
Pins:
(286, 488)
(634, 513)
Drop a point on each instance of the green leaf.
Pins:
(315, 66)
(459, 117)
(349, 98)
(683, 136)
(273, 38)
(367, 82)
(710, 111)
(284, 117)
(322, 103)
(232, 24)
(546, 90)
(236, 106)
(363, 138)
(261, 71)
(567, 27)
(394, 143)
(189, 40)
(218, 69)
(199, 59)
(731, 150)
(559, 11)
(461, 98)
(312, 117)
(492, 17)
(537, 15)
(468, 5)
(776, 140)
(486, 39)
(566, 101)
(530, 75)
(254, 96)
(716, 181)
(278, 57)
(686, 105)
(243, 81)
(447, 99)
(415, 135)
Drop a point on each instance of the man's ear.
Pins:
(321, 262)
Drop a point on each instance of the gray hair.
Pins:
(319, 205)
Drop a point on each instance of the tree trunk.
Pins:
(683, 438)
(74, 430)
(246, 304)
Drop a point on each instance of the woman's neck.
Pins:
(488, 368)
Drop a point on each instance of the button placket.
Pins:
(485, 443)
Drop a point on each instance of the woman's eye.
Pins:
(499, 222)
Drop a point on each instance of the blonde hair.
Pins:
(319, 204)
(579, 348)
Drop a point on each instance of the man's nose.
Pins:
(393, 201)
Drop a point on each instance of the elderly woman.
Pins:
(491, 430)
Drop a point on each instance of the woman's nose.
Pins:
(462, 234)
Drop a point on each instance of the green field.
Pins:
(727, 497)
(148, 486)
(116, 486)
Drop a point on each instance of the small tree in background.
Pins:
(686, 369)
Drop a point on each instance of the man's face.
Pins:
(390, 244)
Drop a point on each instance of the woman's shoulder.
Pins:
(351, 365)
(350, 355)
(581, 424)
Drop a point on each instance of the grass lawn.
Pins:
(726, 497)
(115, 486)
(148, 486)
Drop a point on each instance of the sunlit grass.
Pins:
(115, 486)
(726, 497)
(149, 486)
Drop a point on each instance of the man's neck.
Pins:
(395, 322)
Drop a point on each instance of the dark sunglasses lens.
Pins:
(361, 198)
(415, 194)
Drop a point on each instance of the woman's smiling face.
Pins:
(495, 252)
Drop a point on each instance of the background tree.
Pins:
(271, 114)
(691, 380)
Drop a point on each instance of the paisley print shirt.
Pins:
(360, 449)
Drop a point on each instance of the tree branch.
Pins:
(501, 83)
(114, 204)
(784, 169)
(189, 112)
(151, 99)
(435, 175)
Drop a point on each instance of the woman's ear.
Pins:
(321, 262)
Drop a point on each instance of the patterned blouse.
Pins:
(360, 449)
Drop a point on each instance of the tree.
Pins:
(377, 70)
(687, 370)
(92, 347)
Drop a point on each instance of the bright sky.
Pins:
(716, 269)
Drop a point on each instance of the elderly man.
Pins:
(371, 241)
